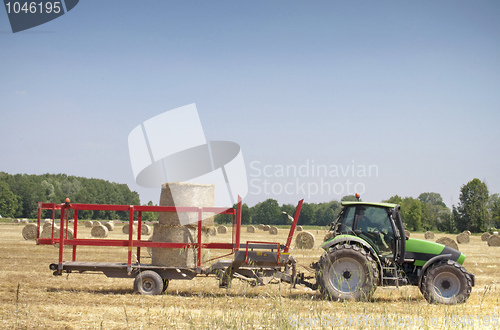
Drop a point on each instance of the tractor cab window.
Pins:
(347, 221)
(373, 224)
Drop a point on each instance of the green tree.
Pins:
(267, 212)
(494, 208)
(472, 209)
(432, 205)
(9, 202)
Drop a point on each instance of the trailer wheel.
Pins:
(447, 283)
(148, 282)
(347, 272)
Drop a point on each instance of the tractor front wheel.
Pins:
(347, 272)
(446, 282)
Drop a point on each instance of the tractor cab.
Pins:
(378, 224)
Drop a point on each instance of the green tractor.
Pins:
(369, 248)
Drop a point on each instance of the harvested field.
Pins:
(31, 297)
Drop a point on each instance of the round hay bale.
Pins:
(96, 223)
(250, 229)
(304, 240)
(221, 229)
(47, 232)
(29, 231)
(463, 238)
(485, 236)
(429, 235)
(467, 232)
(328, 236)
(99, 231)
(266, 228)
(15, 220)
(186, 194)
(24, 221)
(495, 233)
(494, 240)
(299, 228)
(47, 224)
(261, 227)
(47, 220)
(407, 233)
(89, 224)
(125, 229)
(110, 225)
(212, 231)
(273, 230)
(145, 229)
(448, 242)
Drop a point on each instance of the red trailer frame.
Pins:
(138, 243)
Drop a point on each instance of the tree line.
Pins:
(20, 194)
(476, 211)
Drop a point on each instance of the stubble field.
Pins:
(31, 297)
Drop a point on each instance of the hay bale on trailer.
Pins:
(181, 227)
(273, 230)
(125, 229)
(485, 236)
(305, 240)
(89, 224)
(99, 231)
(110, 225)
(250, 229)
(175, 234)
(463, 238)
(29, 231)
(494, 240)
(429, 235)
(299, 228)
(189, 195)
(448, 242)
(221, 229)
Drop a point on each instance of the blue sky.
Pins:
(411, 88)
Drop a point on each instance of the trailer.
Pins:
(252, 261)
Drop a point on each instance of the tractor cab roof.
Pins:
(386, 205)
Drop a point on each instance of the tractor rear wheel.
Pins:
(347, 272)
(446, 282)
(148, 282)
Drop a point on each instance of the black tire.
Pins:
(446, 282)
(148, 283)
(347, 272)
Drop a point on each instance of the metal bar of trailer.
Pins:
(130, 236)
(292, 228)
(125, 243)
(75, 233)
(139, 233)
(200, 219)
